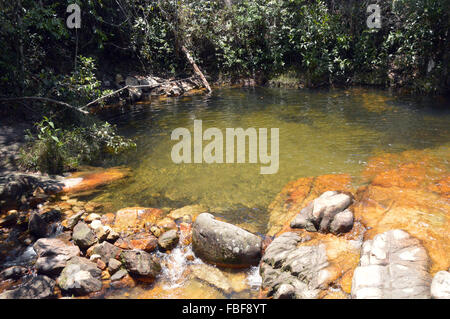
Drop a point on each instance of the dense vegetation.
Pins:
(312, 42)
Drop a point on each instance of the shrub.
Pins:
(54, 150)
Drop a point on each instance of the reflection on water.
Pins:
(321, 132)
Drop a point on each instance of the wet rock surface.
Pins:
(297, 194)
(105, 251)
(80, 276)
(53, 255)
(168, 240)
(394, 265)
(291, 271)
(224, 244)
(39, 287)
(140, 263)
(327, 213)
(83, 235)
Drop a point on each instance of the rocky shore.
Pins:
(326, 238)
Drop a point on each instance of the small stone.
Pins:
(119, 275)
(112, 235)
(168, 240)
(140, 263)
(37, 226)
(285, 291)
(96, 224)
(80, 276)
(71, 222)
(155, 231)
(101, 264)
(440, 286)
(114, 265)
(95, 257)
(83, 235)
(91, 217)
(106, 251)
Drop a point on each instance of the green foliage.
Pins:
(81, 86)
(326, 40)
(54, 150)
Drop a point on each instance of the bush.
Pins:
(54, 150)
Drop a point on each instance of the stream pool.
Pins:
(320, 132)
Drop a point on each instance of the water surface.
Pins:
(321, 132)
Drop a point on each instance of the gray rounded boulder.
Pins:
(224, 244)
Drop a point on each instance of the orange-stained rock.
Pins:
(190, 290)
(297, 194)
(143, 241)
(186, 233)
(415, 169)
(166, 224)
(442, 187)
(81, 182)
(343, 251)
(135, 218)
(125, 282)
(108, 219)
(423, 214)
(330, 294)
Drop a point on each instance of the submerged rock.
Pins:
(39, 287)
(132, 218)
(83, 182)
(224, 244)
(80, 276)
(393, 265)
(191, 210)
(143, 241)
(327, 213)
(212, 276)
(140, 263)
(440, 286)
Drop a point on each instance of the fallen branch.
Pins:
(196, 68)
(82, 109)
(186, 52)
(149, 86)
(44, 99)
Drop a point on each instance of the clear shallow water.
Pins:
(321, 132)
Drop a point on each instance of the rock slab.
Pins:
(394, 265)
(291, 272)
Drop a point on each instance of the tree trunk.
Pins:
(196, 68)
